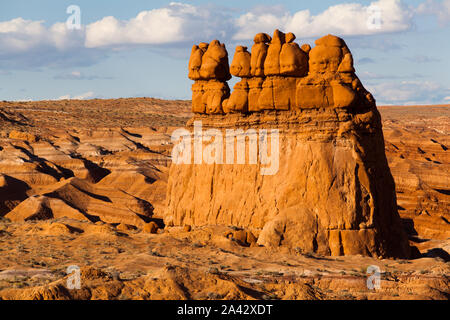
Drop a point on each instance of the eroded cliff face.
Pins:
(332, 191)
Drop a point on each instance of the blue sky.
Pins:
(141, 48)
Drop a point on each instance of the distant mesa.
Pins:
(278, 74)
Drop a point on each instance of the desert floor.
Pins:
(80, 181)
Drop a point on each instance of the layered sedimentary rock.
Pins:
(417, 147)
(97, 160)
(318, 133)
(67, 138)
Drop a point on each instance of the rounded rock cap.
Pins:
(262, 38)
(290, 37)
(330, 41)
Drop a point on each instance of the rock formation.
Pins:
(278, 75)
(259, 54)
(293, 60)
(240, 67)
(332, 192)
(208, 67)
(258, 57)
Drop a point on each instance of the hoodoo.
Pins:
(332, 192)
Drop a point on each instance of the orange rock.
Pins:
(43, 208)
(330, 41)
(255, 87)
(215, 62)
(197, 96)
(3, 181)
(284, 93)
(347, 64)
(325, 154)
(187, 228)
(313, 96)
(324, 59)
(14, 134)
(125, 227)
(240, 236)
(251, 239)
(150, 227)
(306, 48)
(326, 76)
(278, 93)
(266, 100)
(293, 60)
(238, 101)
(259, 53)
(215, 92)
(240, 67)
(327, 151)
(195, 62)
(331, 82)
(343, 95)
(272, 62)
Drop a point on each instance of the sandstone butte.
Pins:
(333, 193)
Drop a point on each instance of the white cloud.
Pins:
(342, 19)
(177, 22)
(82, 96)
(184, 23)
(409, 92)
(441, 9)
(27, 44)
(20, 35)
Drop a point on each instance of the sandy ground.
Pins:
(105, 144)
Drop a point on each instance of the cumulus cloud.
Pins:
(179, 22)
(440, 9)
(409, 92)
(26, 44)
(342, 19)
(185, 23)
(20, 35)
(175, 23)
